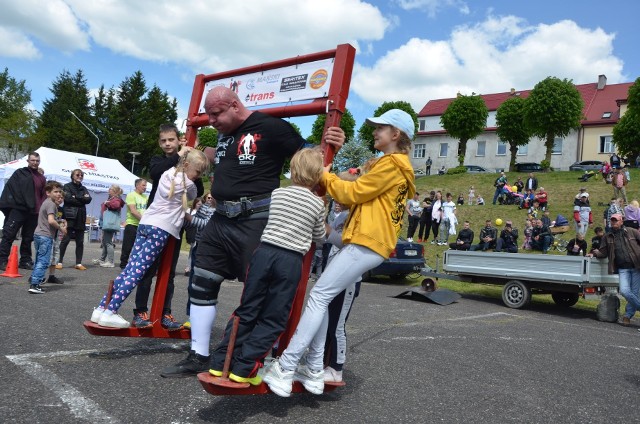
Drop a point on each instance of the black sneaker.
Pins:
(26, 265)
(191, 365)
(54, 280)
(36, 289)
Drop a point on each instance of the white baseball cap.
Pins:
(397, 118)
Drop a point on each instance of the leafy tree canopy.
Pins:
(464, 119)
(511, 127)
(351, 155)
(17, 121)
(347, 123)
(553, 109)
(626, 133)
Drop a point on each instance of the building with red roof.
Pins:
(603, 106)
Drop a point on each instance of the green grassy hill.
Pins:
(561, 187)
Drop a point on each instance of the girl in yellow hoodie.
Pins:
(377, 203)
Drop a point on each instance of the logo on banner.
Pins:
(87, 165)
(318, 78)
(235, 85)
(269, 78)
(247, 148)
(293, 83)
(250, 85)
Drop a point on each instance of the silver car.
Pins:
(587, 165)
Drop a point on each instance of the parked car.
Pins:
(475, 169)
(407, 258)
(587, 165)
(528, 167)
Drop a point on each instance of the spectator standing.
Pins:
(136, 202)
(582, 215)
(414, 209)
(531, 184)
(622, 247)
(619, 183)
(425, 220)
(615, 161)
(519, 185)
(508, 239)
(488, 235)
(44, 234)
(597, 239)
(76, 199)
(528, 230)
(472, 195)
(436, 216)
(448, 222)
(465, 238)
(114, 204)
(499, 184)
(428, 166)
(606, 172)
(20, 202)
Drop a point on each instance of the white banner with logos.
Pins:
(306, 81)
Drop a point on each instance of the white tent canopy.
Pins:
(99, 174)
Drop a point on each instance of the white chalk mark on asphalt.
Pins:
(483, 316)
(80, 406)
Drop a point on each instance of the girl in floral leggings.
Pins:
(163, 219)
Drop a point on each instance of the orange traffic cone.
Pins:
(12, 265)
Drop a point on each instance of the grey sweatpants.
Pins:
(350, 263)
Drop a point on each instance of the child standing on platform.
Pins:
(377, 202)
(296, 218)
(163, 219)
(44, 234)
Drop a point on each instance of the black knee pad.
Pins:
(205, 286)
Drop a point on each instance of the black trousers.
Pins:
(78, 236)
(144, 287)
(264, 308)
(13, 222)
(413, 225)
(128, 238)
(425, 227)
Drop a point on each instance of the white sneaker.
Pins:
(107, 265)
(410, 240)
(113, 321)
(313, 381)
(96, 314)
(332, 376)
(279, 380)
(97, 261)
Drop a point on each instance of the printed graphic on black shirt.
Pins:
(247, 148)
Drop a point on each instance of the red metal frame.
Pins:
(334, 106)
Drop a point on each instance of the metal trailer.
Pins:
(566, 278)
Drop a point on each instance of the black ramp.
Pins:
(440, 296)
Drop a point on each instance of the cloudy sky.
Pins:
(413, 50)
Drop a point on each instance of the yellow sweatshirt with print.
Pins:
(376, 200)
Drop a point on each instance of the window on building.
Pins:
(502, 148)
(606, 115)
(606, 144)
(444, 150)
(557, 146)
(523, 150)
(481, 148)
(422, 125)
(419, 151)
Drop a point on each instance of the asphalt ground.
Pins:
(474, 361)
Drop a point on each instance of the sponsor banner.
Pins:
(306, 81)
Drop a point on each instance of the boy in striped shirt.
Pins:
(296, 218)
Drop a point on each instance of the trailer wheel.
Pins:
(516, 294)
(565, 300)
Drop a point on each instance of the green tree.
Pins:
(208, 136)
(17, 121)
(58, 128)
(347, 123)
(511, 127)
(352, 155)
(553, 109)
(626, 133)
(365, 133)
(464, 119)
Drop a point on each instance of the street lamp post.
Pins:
(133, 162)
(88, 129)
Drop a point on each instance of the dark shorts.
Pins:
(227, 244)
